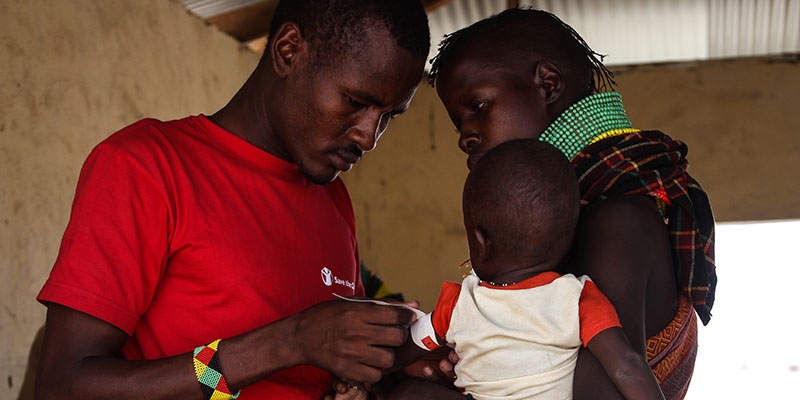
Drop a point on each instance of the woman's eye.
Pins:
(479, 105)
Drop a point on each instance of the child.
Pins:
(515, 323)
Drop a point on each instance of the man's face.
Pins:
(491, 99)
(338, 110)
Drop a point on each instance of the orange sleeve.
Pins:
(444, 307)
(596, 312)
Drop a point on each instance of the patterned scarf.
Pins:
(651, 163)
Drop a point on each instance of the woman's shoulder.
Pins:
(622, 230)
(622, 211)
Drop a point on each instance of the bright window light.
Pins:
(750, 349)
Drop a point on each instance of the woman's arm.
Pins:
(412, 388)
(623, 245)
(625, 366)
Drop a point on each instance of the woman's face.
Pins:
(491, 100)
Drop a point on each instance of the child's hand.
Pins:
(348, 391)
(437, 366)
(353, 392)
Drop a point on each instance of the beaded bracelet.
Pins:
(209, 373)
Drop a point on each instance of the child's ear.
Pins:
(548, 77)
(485, 245)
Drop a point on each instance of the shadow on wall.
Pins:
(26, 392)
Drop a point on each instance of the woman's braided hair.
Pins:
(538, 31)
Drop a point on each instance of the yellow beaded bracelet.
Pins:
(209, 373)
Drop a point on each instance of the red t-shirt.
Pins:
(182, 233)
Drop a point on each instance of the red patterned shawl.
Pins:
(652, 163)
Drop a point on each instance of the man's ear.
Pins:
(548, 77)
(287, 49)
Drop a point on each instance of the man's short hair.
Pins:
(335, 26)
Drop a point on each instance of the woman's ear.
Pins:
(286, 49)
(549, 78)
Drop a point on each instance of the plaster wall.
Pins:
(71, 73)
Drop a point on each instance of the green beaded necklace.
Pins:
(595, 117)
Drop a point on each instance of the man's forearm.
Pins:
(80, 359)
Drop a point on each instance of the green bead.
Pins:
(585, 120)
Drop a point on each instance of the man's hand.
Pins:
(352, 340)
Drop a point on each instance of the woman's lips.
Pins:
(472, 159)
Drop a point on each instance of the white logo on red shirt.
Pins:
(329, 279)
(326, 276)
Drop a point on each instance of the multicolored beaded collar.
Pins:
(593, 118)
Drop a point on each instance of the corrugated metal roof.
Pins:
(651, 31)
(630, 31)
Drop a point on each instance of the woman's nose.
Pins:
(468, 141)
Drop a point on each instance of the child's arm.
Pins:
(420, 334)
(626, 368)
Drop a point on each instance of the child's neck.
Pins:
(513, 275)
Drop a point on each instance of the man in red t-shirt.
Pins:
(210, 248)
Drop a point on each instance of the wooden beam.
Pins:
(250, 24)
(431, 5)
(246, 23)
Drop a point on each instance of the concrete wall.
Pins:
(71, 73)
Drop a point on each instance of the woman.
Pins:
(646, 232)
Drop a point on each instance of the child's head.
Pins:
(521, 206)
(525, 36)
(511, 75)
